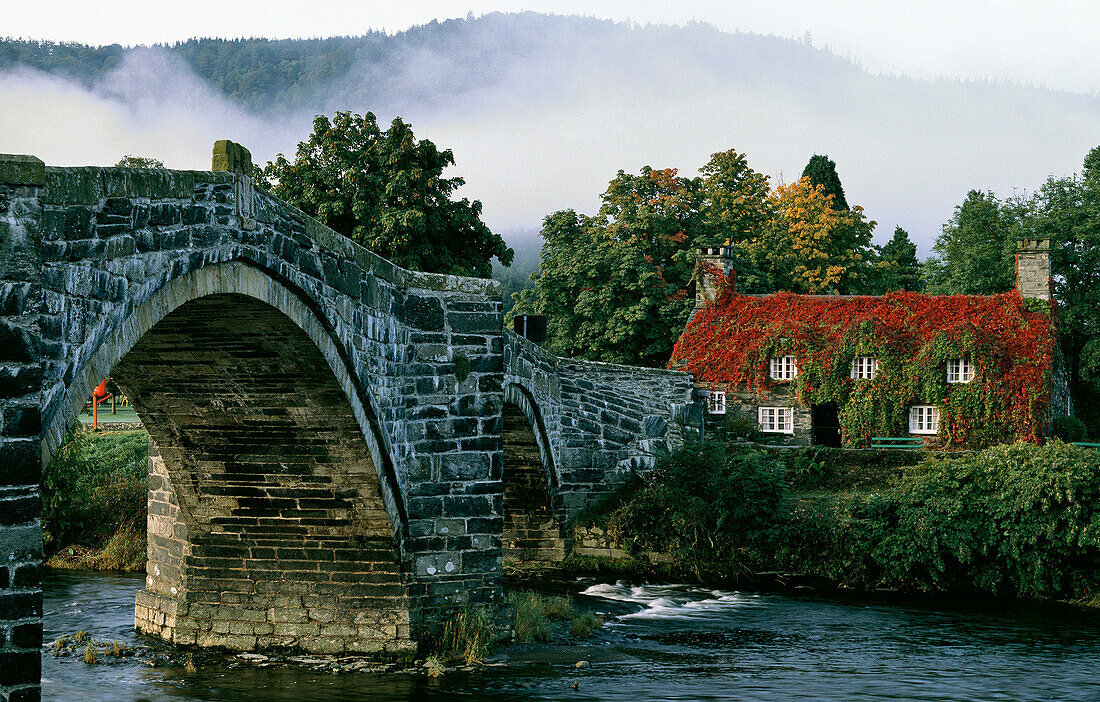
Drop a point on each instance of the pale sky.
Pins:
(549, 126)
(1053, 44)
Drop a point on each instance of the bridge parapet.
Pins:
(599, 421)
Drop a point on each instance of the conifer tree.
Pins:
(821, 170)
(902, 269)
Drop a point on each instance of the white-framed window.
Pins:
(924, 419)
(783, 368)
(776, 420)
(959, 370)
(716, 402)
(864, 368)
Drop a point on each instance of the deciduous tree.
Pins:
(810, 247)
(385, 189)
(974, 254)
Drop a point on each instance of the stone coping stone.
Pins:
(19, 169)
(87, 185)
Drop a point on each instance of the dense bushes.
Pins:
(1019, 520)
(1012, 520)
(93, 490)
(703, 506)
(1069, 429)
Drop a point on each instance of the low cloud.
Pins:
(542, 112)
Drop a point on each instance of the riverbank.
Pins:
(1012, 521)
(94, 502)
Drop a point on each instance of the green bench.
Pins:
(1082, 444)
(905, 443)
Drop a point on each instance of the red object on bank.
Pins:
(98, 395)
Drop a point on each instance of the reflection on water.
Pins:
(668, 642)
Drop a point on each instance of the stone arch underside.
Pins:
(532, 530)
(267, 525)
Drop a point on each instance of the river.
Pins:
(663, 642)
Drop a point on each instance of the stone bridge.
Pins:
(326, 451)
(573, 431)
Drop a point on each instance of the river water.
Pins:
(664, 642)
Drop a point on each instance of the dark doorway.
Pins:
(826, 423)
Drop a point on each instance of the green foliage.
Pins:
(124, 551)
(824, 468)
(898, 267)
(1068, 429)
(532, 623)
(131, 161)
(616, 287)
(467, 635)
(821, 170)
(703, 507)
(94, 486)
(385, 189)
(1019, 520)
(585, 624)
(544, 618)
(975, 253)
(1015, 520)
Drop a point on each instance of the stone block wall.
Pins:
(744, 405)
(596, 542)
(20, 428)
(597, 421)
(1033, 268)
(91, 259)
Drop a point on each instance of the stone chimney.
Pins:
(1033, 267)
(706, 284)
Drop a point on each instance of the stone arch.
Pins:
(151, 305)
(532, 530)
(272, 519)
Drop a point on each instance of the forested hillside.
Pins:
(444, 58)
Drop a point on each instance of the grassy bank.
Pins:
(1018, 520)
(94, 502)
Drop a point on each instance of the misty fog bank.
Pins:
(541, 112)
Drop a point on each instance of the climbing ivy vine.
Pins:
(1009, 341)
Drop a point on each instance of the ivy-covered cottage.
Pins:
(957, 370)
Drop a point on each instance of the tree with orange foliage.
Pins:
(810, 247)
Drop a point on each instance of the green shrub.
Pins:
(532, 620)
(585, 624)
(1018, 520)
(704, 507)
(95, 485)
(820, 467)
(1068, 429)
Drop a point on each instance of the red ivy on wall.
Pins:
(1010, 342)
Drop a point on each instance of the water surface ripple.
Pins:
(666, 642)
